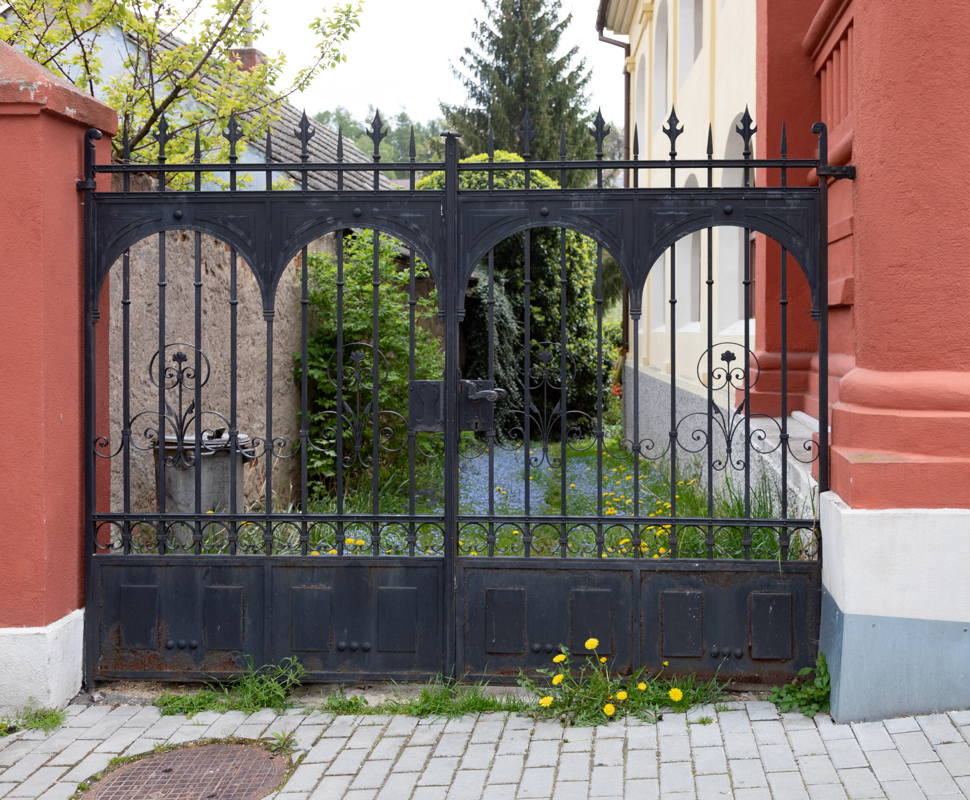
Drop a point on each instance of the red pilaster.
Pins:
(42, 124)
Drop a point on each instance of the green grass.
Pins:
(809, 692)
(32, 718)
(266, 687)
(442, 697)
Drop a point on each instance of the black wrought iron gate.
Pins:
(432, 486)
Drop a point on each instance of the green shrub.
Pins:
(358, 356)
(582, 359)
(808, 693)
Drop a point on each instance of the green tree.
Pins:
(514, 64)
(396, 146)
(176, 60)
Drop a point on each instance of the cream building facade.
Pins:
(697, 56)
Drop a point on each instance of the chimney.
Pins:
(247, 56)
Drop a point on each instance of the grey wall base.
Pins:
(889, 666)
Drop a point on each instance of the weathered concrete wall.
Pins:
(180, 318)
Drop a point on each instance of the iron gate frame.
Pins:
(452, 230)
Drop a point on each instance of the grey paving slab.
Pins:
(748, 752)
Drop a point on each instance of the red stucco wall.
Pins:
(42, 124)
(899, 290)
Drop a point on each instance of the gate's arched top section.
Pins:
(268, 234)
(637, 227)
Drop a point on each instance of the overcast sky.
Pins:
(400, 56)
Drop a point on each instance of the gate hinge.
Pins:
(847, 171)
(82, 185)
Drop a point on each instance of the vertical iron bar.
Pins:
(449, 274)
(710, 538)
(375, 392)
(673, 393)
(563, 342)
(233, 400)
(412, 336)
(563, 396)
(527, 392)
(126, 397)
(598, 293)
(635, 319)
(784, 534)
(268, 446)
(162, 283)
(339, 411)
(490, 434)
(90, 402)
(197, 400)
(822, 305)
(304, 362)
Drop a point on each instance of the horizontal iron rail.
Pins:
(482, 166)
(612, 520)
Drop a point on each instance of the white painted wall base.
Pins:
(895, 609)
(41, 665)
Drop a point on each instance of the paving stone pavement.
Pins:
(746, 751)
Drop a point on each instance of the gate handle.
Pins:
(489, 395)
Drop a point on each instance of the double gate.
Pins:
(397, 432)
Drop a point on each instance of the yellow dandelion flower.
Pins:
(655, 556)
(472, 553)
(602, 659)
(624, 541)
(621, 695)
(332, 551)
(675, 694)
(515, 533)
(609, 709)
(602, 555)
(545, 702)
(629, 477)
(361, 542)
(572, 486)
(628, 502)
(591, 643)
(662, 550)
(558, 659)
(557, 679)
(642, 686)
(666, 663)
(210, 512)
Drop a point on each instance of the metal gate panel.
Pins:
(447, 585)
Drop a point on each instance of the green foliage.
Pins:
(266, 687)
(584, 690)
(441, 697)
(282, 743)
(393, 362)
(177, 62)
(545, 299)
(32, 718)
(808, 693)
(515, 62)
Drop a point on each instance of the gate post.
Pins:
(42, 125)
(896, 525)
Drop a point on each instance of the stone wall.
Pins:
(215, 344)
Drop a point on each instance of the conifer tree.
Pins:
(514, 65)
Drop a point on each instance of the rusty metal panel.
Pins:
(310, 618)
(139, 617)
(505, 621)
(682, 615)
(770, 618)
(397, 619)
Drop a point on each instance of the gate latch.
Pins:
(476, 405)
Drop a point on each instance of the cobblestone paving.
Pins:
(748, 752)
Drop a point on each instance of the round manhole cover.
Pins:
(206, 772)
